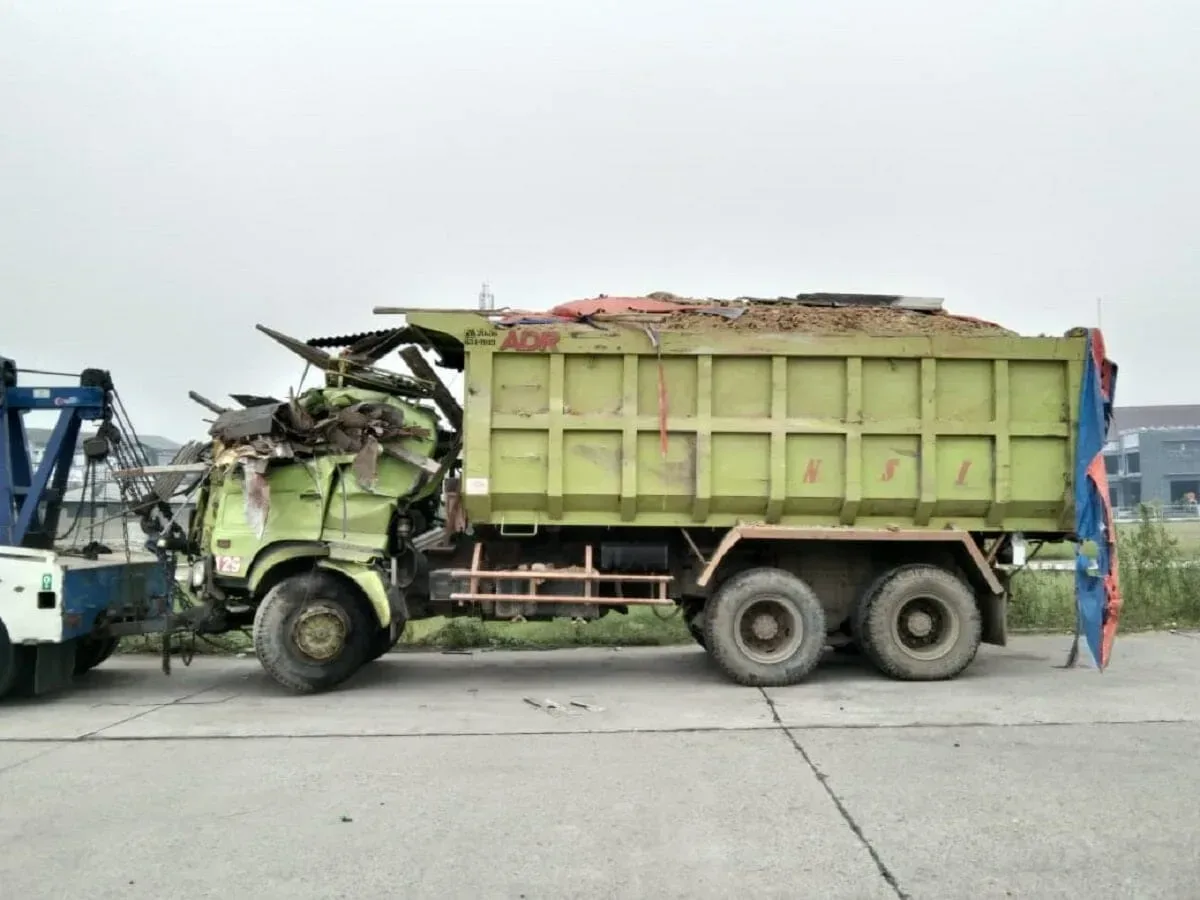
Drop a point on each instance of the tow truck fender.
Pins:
(369, 581)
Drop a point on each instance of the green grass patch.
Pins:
(1042, 601)
(1160, 581)
(231, 643)
(642, 627)
(1186, 535)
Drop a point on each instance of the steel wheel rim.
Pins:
(925, 628)
(768, 628)
(320, 631)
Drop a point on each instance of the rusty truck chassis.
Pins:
(978, 567)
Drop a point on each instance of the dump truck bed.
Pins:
(712, 423)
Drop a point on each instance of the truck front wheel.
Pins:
(384, 640)
(765, 628)
(312, 631)
(919, 623)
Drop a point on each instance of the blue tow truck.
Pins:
(63, 610)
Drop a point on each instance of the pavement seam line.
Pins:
(57, 746)
(884, 872)
(97, 734)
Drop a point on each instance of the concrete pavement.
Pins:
(430, 775)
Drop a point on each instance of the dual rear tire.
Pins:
(765, 627)
(918, 623)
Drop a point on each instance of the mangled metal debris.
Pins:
(206, 403)
(331, 421)
(258, 494)
(353, 371)
(441, 394)
(310, 426)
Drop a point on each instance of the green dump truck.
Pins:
(828, 469)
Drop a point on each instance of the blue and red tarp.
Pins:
(1097, 583)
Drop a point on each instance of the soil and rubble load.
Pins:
(808, 313)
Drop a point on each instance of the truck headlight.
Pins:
(197, 575)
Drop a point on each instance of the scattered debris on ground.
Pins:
(553, 706)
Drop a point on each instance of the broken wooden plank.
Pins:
(441, 394)
(893, 301)
(206, 403)
(184, 468)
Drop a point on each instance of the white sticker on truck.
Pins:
(228, 565)
(477, 485)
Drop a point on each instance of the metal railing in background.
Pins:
(1171, 512)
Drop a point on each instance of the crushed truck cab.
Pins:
(275, 502)
(305, 515)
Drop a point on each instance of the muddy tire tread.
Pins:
(719, 625)
(271, 645)
(859, 614)
(880, 603)
(382, 642)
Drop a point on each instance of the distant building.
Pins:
(96, 514)
(1153, 457)
(159, 451)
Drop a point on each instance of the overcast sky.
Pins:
(173, 172)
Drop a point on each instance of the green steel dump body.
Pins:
(580, 425)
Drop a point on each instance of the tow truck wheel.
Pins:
(91, 652)
(384, 640)
(313, 631)
(8, 662)
(765, 628)
(919, 623)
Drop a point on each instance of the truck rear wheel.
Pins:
(312, 631)
(919, 623)
(765, 628)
